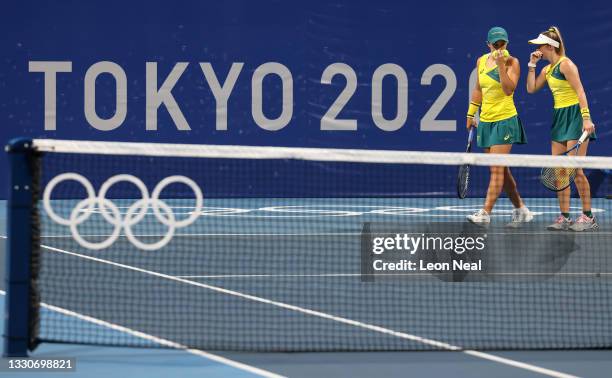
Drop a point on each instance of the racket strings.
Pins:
(463, 180)
(558, 178)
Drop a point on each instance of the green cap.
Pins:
(497, 34)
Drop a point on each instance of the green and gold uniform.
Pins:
(499, 122)
(567, 120)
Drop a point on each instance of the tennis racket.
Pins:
(557, 179)
(463, 178)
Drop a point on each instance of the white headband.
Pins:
(544, 40)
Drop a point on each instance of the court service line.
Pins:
(160, 341)
(370, 327)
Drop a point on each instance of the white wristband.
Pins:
(531, 65)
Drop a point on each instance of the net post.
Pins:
(18, 331)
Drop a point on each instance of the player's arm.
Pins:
(570, 71)
(509, 72)
(534, 83)
(475, 101)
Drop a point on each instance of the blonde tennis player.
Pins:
(571, 117)
(499, 127)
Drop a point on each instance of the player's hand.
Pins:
(535, 57)
(500, 56)
(471, 122)
(588, 126)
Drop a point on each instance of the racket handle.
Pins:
(471, 135)
(583, 137)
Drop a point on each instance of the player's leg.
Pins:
(563, 221)
(582, 183)
(510, 188)
(520, 213)
(496, 184)
(586, 221)
(496, 181)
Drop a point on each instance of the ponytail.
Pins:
(554, 33)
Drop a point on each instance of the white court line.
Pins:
(370, 327)
(381, 275)
(509, 232)
(160, 341)
(219, 234)
(389, 215)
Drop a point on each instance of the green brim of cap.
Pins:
(498, 39)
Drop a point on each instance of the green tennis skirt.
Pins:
(506, 131)
(567, 124)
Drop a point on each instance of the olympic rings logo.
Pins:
(110, 212)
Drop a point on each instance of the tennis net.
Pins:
(297, 249)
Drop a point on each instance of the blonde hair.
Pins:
(554, 33)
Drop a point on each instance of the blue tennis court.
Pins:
(246, 251)
(271, 289)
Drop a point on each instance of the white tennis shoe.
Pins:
(481, 217)
(519, 216)
(561, 224)
(584, 223)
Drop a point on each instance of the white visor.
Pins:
(544, 40)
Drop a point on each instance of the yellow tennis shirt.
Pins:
(563, 93)
(496, 105)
